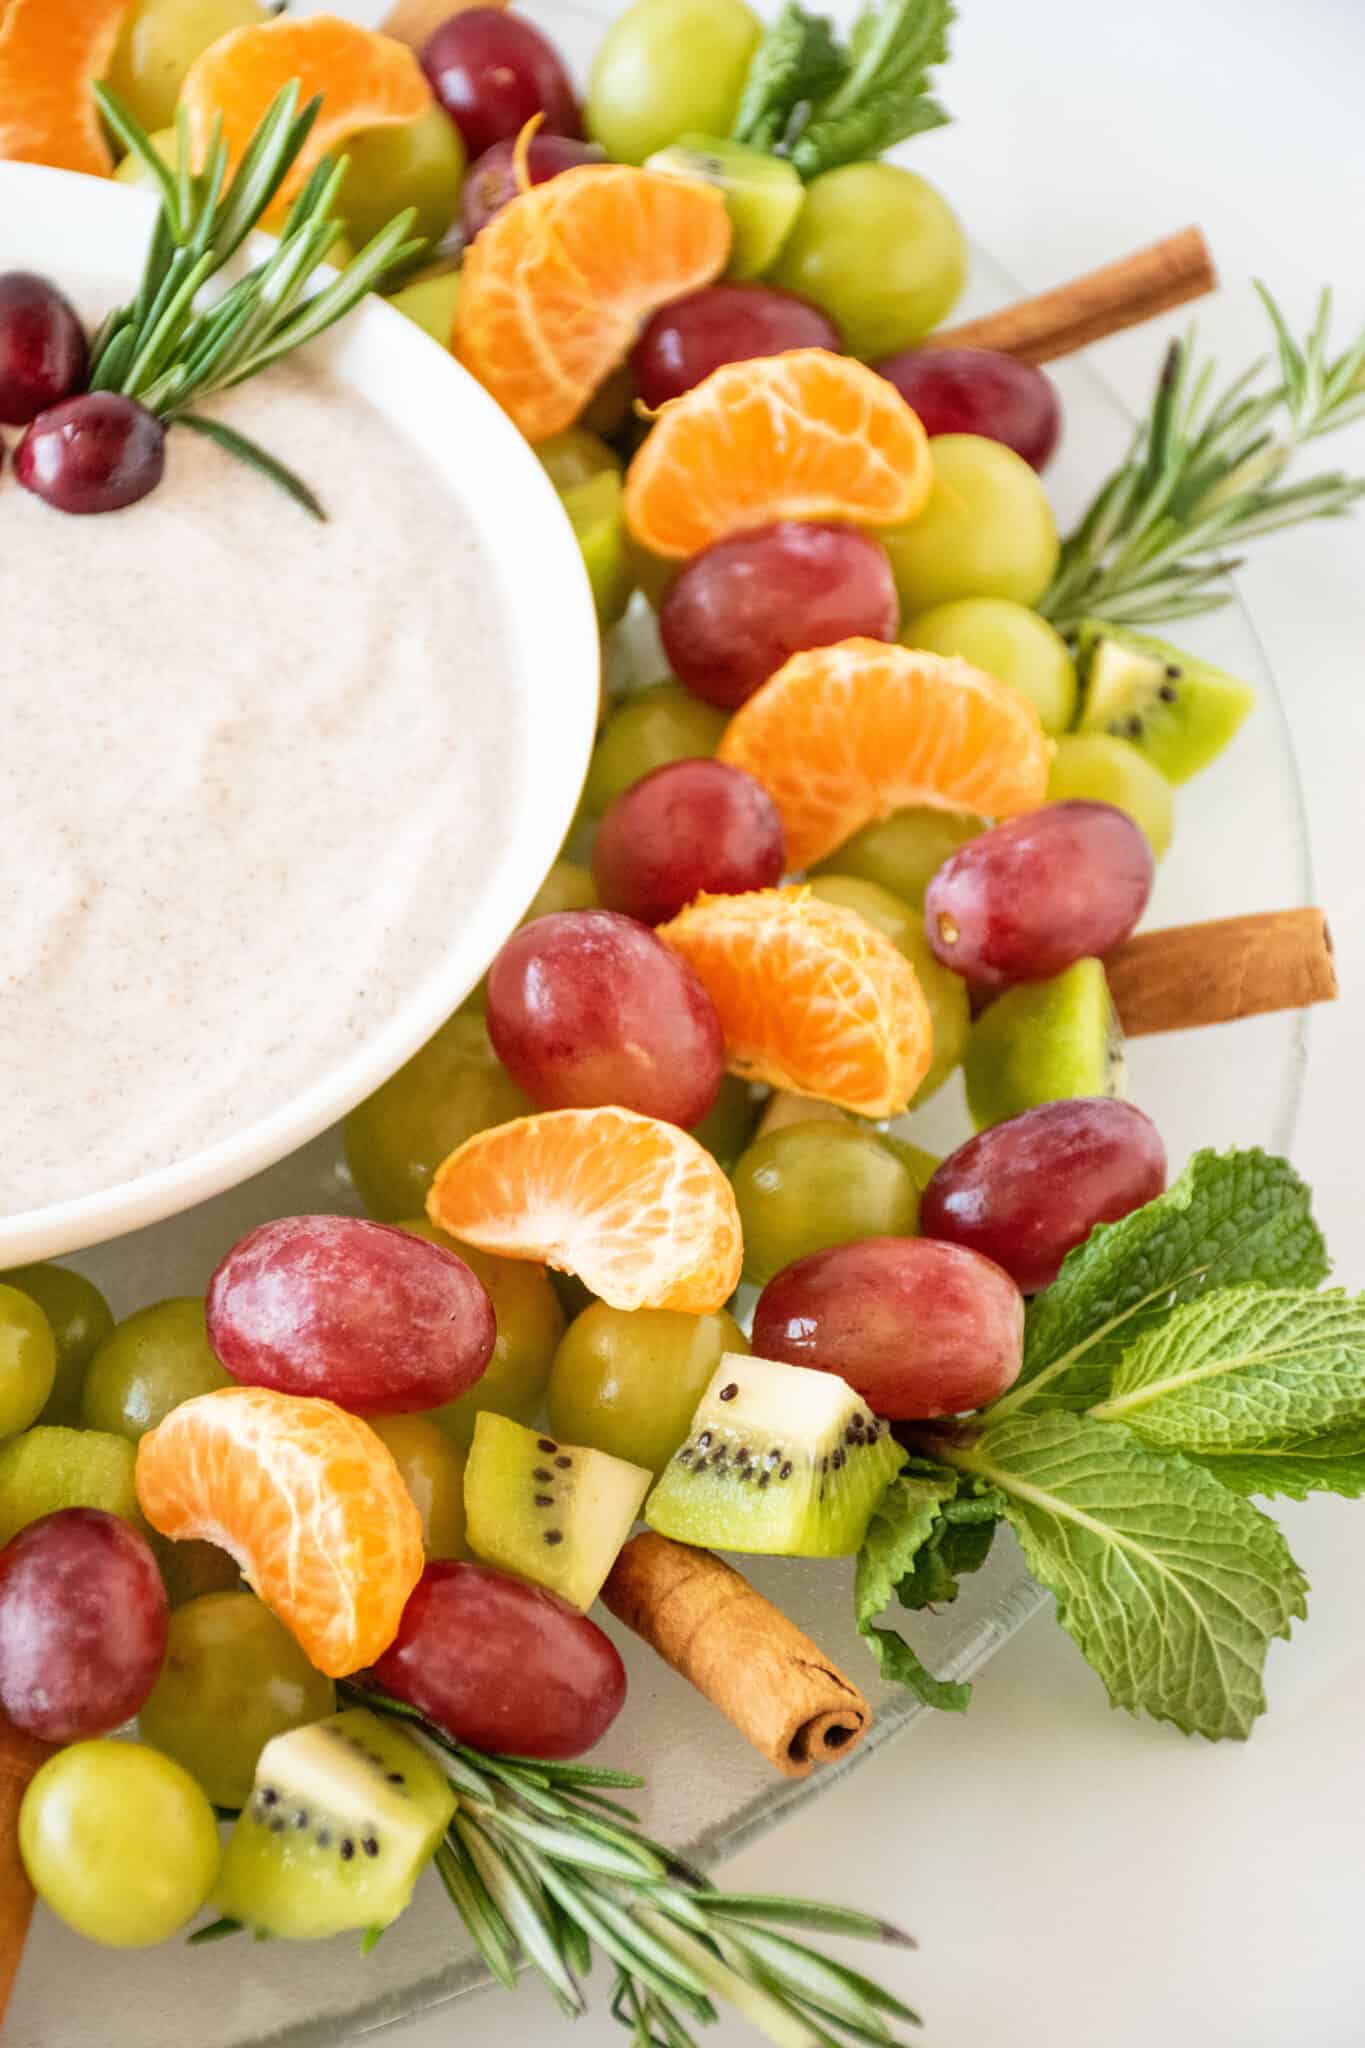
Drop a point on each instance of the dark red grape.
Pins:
(917, 1328)
(492, 184)
(687, 827)
(976, 391)
(503, 1666)
(492, 72)
(372, 1318)
(737, 611)
(95, 453)
(1027, 1190)
(586, 1007)
(723, 323)
(43, 354)
(1028, 898)
(82, 1625)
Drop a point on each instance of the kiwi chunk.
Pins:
(51, 1467)
(1179, 712)
(342, 1818)
(1043, 1041)
(779, 1460)
(553, 1513)
(763, 194)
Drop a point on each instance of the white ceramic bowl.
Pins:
(74, 228)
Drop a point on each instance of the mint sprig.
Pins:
(799, 62)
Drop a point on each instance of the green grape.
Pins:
(158, 43)
(191, 1568)
(987, 530)
(568, 886)
(808, 1186)
(1008, 641)
(666, 67)
(530, 1324)
(150, 1362)
(654, 574)
(729, 1123)
(51, 1467)
(1109, 770)
(431, 1466)
(923, 1165)
(397, 1137)
(596, 514)
(80, 1320)
(132, 171)
(572, 1294)
(905, 851)
(575, 457)
(944, 991)
(28, 1360)
(880, 250)
(663, 724)
(119, 1842)
(233, 1679)
(431, 303)
(417, 163)
(628, 1381)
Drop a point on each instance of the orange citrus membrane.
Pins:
(558, 283)
(806, 435)
(811, 997)
(366, 81)
(636, 1208)
(51, 51)
(308, 1501)
(842, 735)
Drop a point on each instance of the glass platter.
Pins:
(1241, 845)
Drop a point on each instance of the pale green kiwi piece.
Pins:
(598, 520)
(1009, 642)
(362, 1808)
(944, 991)
(554, 1513)
(762, 193)
(52, 1467)
(780, 1461)
(1044, 1041)
(1177, 711)
(1112, 771)
(905, 851)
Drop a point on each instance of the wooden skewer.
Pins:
(20, 1756)
(1105, 301)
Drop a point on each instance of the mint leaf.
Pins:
(1323, 1464)
(1172, 1587)
(1245, 1368)
(798, 61)
(910, 1508)
(953, 1550)
(900, 1664)
(884, 97)
(1232, 1219)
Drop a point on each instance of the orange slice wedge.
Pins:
(51, 52)
(811, 997)
(845, 734)
(636, 1208)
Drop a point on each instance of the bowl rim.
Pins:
(100, 227)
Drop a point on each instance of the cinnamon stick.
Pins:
(780, 1691)
(20, 1756)
(1196, 974)
(412, 21)
(1104, 301)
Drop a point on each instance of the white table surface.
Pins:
(1078, 1880)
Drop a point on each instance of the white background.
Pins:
(1078, 1880)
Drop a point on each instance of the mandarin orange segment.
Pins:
(805, 435)
(558, 283)
(366, 81)
(51, 51)
(811, 997)
(845, 734)
(636, 1208)
(307, 1500)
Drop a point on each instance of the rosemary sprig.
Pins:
(171, 348)
(1204, 476)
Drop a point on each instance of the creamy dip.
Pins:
(240, 804)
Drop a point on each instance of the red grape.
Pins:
(723, 323)
(739, 610)
(96, 453)
(917, 1328)
(492, 72)
(586, 1007)
(1027, 1190)
(82, 1625)
(1028, 898)
(976, 391)
(375, 1319)
(687, 827)
(503, 1666)
(42, 348)
(492, 184)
